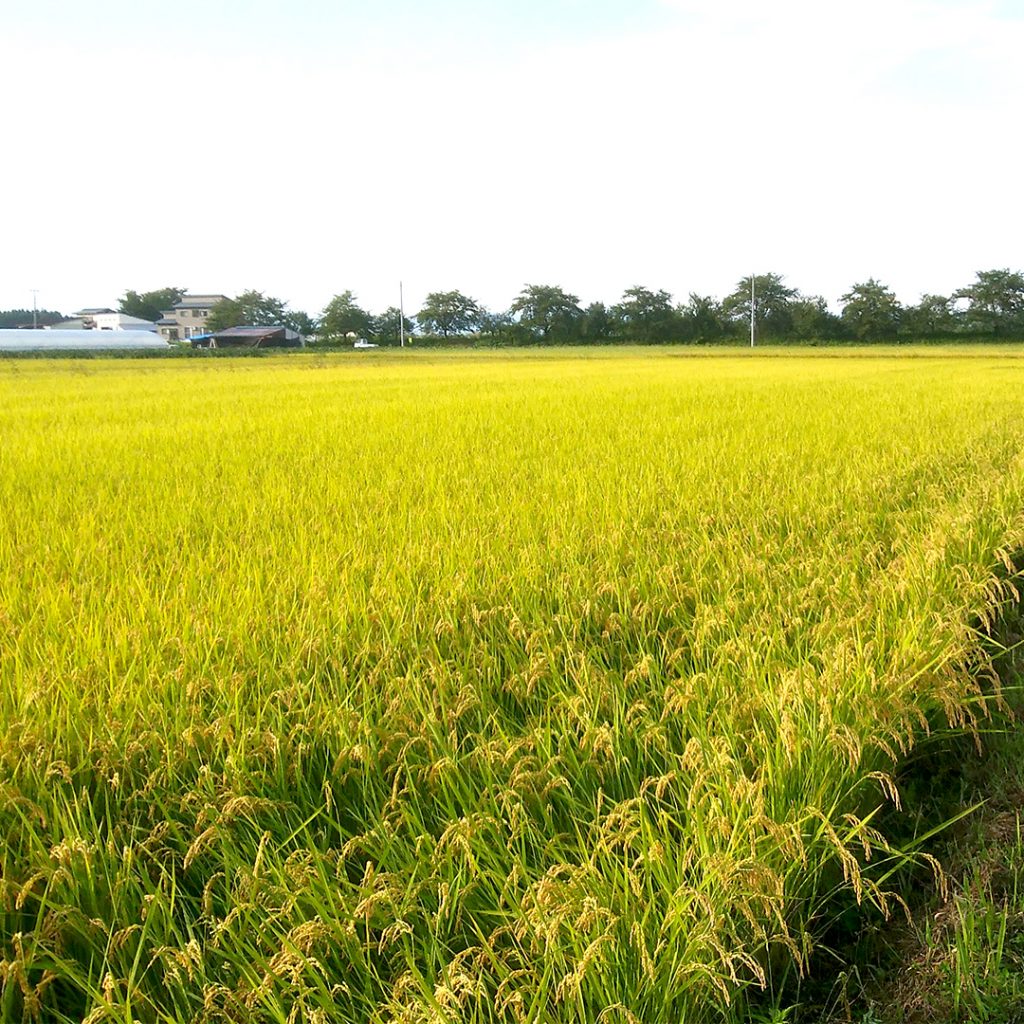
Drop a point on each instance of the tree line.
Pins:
(13, 318)
(992, 306)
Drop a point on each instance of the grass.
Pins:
(959, 959)
(533, 688)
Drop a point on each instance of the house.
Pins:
(188, 317)
(121, 322)
(252, 337)
(103, 319)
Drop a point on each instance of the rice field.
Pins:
(533, 688)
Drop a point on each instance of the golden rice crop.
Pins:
(480, 689)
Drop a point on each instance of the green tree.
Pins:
(500, 328)
(149, 305)
(646, 316)
(547, 313)
(385, 329)
(812, 320)
(448, 313)
(24, 317)
(702, 319)
(871, 311)
(773, 306)
(932, 317)
(343, 316)
(302, 322)
(596, 325)
(250, 309)
(995, 302)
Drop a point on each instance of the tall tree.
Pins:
(386, 327)
(547, 313)
(871, 311)
(995, 302)
(149, 305)
(812, 320)
(343, 316)
(448, 313)
(702, 319)
(500, 328)
(596, 325)
(772, 301)
(250, 309)
(932, 317)
(646, 316)
(302, 322)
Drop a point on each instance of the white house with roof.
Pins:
(188, 317)
(100, 318)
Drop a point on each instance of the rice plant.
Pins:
(530, 688)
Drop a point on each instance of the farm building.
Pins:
(252, 337)
(78, 340)
(104, 320)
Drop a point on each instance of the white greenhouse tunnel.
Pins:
(78, 341)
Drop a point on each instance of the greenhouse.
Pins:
(79, 341)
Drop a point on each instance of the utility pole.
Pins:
(753, 310)
(35, 309)
(401, 315)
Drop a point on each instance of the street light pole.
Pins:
(35, 309)
(753, 310)
(401, 314)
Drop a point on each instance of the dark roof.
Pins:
(198, 301)
(250, 332)
(94, 311)
(259, 337)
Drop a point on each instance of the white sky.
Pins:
(312, 146)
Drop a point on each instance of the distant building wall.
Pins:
(188, 317)
(121, 322)
(107, 321)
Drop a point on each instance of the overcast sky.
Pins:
(305, 147)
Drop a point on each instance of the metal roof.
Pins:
(252, 332)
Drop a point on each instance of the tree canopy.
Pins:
(250, 309)
(547, 313)
(702, 319)
(871, 311)
(149, 305)
(448, 313)
(773, 315)
(647, 316)
(386, 328)
(343, 316)
(995, 302)
(991, 306)
(932, 317)
(26, 317)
